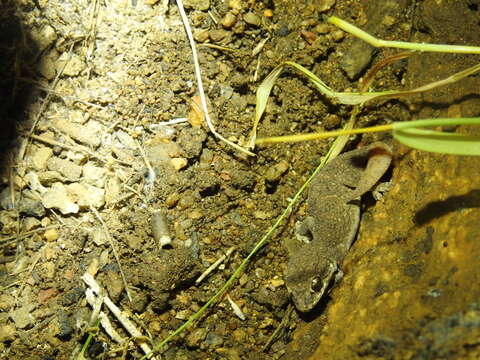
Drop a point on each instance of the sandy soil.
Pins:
(101, 133)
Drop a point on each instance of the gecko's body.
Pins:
(334, 216)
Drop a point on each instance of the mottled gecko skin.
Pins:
(334, 216)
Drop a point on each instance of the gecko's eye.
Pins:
(317, 284)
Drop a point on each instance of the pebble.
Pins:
(218, 35)
(195, 114)
(275, 172)
(47, 178)
(78, 116)
(186, 201)
(48, 269)
(331, 121)
(34, 183)
(51, 235)
(7, 333)
(47, 64)
(38, 159)
(338, 35)
(244, 180)
(31, 207)
(201, 5)
(228, 20)
(86, 134)
(201, 35)
(30, 223)
(66, 168)
(113, 188)
(172, 199)
(268, 13)
(159, 154)
(191, 141)
(179, 163)
(274, 300)
(94, 175)
(239, 335)
(214, 339)
(163, 132)
(235, 4)
(45, 295)
(114, 285)
(252, 19)
(325, 5)
(195, 338)
(388, 20)
(135, 242)
(322, 28)
(125, 139)
(98, 236)
(262, 215)
(356, 59)
(183, 314)
(44, 38)
(229, 353)
(195, 215)
(277, 282)
(6, 302)
(267, 322)
(86, 195)
(22, 316)
(70, 64)
(57, 197)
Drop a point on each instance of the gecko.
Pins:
(329, 230)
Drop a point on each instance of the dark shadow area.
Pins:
(437, 209)
(17, 64)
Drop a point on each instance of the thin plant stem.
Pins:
(198, 75)
(376, 42)
(321, 135)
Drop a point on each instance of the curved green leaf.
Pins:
(438, 141)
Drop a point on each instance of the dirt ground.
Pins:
(100, 134)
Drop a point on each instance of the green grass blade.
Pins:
(436, 122)
(409, 133)
(355, 31)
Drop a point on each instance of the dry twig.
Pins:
(95, 289)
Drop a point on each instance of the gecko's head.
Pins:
(307, 282)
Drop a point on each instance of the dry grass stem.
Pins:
(198, 75)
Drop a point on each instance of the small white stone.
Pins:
(86, 195)
(71, 171)
(34, 183)
(113, 188)
(51, 235)
(126, 140)
(98, 236)
(88, 135)
(178, 163)
(30, 223)
(94, 175)
(57, 197)
(40, 156)
(71, 64)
